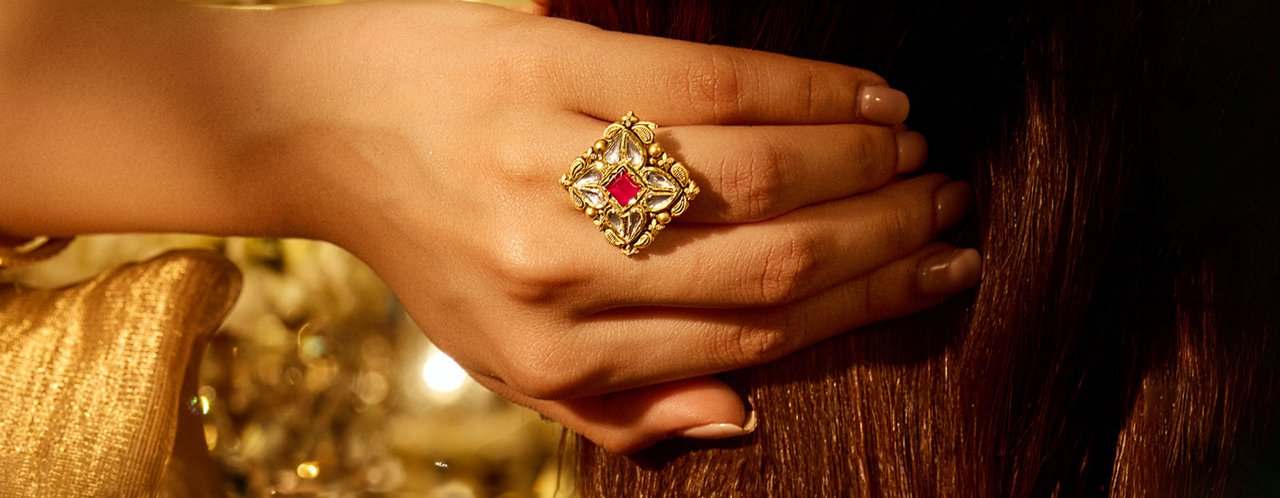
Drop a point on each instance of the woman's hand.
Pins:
(458, 120)
(428, 138)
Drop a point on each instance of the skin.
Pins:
(428, 138)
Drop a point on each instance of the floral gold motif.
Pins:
(628, 185)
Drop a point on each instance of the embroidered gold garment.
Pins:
(91, 378)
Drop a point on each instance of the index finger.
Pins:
(673, 82)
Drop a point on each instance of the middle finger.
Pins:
(753, 173)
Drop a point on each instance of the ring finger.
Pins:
(751, 173)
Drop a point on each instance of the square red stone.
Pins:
(623, 188)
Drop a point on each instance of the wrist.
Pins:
(338, 136)
(281, 164)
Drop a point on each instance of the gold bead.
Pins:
(600, 145)
(591, 212)
(655, 149)
(664, 218)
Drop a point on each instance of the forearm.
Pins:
(138, 117)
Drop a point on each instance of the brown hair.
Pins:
(1122, 339)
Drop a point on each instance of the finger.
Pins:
(785, 259)
(752, 173)
(760, 172)
(673, 82)
(627, 421)
(643, 346)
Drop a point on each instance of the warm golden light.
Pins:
(308, 470)
(442, 374)
(210, 436)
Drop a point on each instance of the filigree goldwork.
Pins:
(628, 185)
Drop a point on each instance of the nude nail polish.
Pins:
(949, 272)
(950, 202)
(884, 105)
(912, 151)
(721, 431)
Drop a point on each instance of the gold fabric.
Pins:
(91, 378)
(18, 252)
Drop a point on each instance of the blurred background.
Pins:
(319, 384)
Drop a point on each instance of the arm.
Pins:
(428, 138)
(131, 116)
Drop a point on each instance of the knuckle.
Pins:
(880, 297)
(831, 88)
(758, 181)
(902, 225)
(760, 342)
(788, 266)
(527, 275)
(711, 83)
(521, 62)
(821, 92)
(522, 71)
(516, 172)
(542, 372)
(864, 300)
(512, 164)
(874, 150)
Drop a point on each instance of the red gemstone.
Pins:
(623, 188)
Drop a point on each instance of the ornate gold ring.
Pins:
(629, 186)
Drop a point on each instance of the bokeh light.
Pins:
(442, 374)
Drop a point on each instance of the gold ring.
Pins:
(629, 186)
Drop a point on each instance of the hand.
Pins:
(429, 138)
(439, 132)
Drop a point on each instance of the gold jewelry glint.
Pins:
(628, 185)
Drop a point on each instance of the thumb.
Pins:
(628, 421)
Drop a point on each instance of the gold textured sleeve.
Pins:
(91, 376)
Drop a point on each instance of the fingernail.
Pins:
(950, 272)
(950, 201)
(883, 105)
(912, 150)
(721, 431)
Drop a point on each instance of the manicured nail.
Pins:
(883, 105)
(950, 201)
(721, 431)
(950, 272)
(912, 150)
